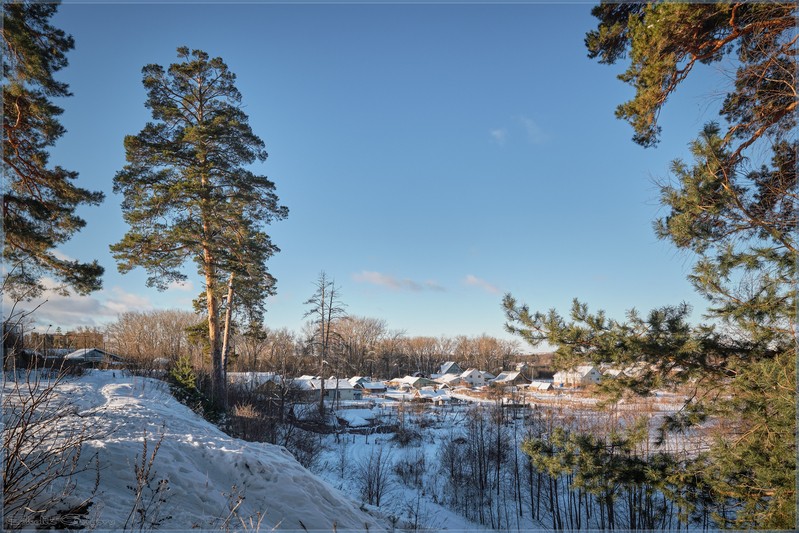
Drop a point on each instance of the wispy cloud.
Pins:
(499, 135)
(73, 310)
(535, 134)
(397, 284)
(62, 256)
(474, 281)
(522, 127)
(183, 286)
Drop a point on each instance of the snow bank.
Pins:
(206, 472)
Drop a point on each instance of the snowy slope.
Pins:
(205, 470)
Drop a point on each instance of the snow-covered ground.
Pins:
(408, 506)
(207, 479)
(210, 481)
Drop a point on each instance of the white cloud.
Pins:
(531, 131)
(535, 134)
(474, 281)
(183, 286)
(70, 311)
(393, 283)
(499, 135)
(62, 256)
(120, 301)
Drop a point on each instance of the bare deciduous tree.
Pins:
(326, 309)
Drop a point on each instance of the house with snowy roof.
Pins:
(540, 386)
(429, 394)
(94, 357)
(510, 379)
(411, 382)
(311, 387)
(474, 378)
(366, 385)
(449, 381)
(450, 367)
(579, 376)
(253, 380)
(357, 380)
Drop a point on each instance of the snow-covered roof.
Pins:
(448, 379)
(580, 370)
(450, 367)
(506, 377)
(253, 379)
(429, 393)
(94, 355)
(330, 384)
(374, 385)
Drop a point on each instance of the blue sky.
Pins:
(432, 156)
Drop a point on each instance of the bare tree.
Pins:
(326, 309)
(145, 336)
(358, 338)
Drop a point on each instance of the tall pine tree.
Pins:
(188, 196)
(734, 207)
(39, 201)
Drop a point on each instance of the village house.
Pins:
(510, 379)
(411, 382)
(579, 376)
(93, 357)
(429, 394)
(450, 367)
(310, 388)
(474, 378)
(540, 386)
(357, 381)
(374, 388)
(449, 381)
(367, 386)
(253, 380)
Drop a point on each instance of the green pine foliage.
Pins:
(39, 200)
(188, 196)
(733, 207)
(183, 381)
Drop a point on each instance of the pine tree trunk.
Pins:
(228, 319)
(218, 385)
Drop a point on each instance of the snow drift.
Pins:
(200, 477)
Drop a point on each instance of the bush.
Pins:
(406, 436)
(43, 445)
(411, 470)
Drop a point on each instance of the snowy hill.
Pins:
(206, 477)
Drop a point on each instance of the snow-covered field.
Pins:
(206, 479)
(193, 476)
